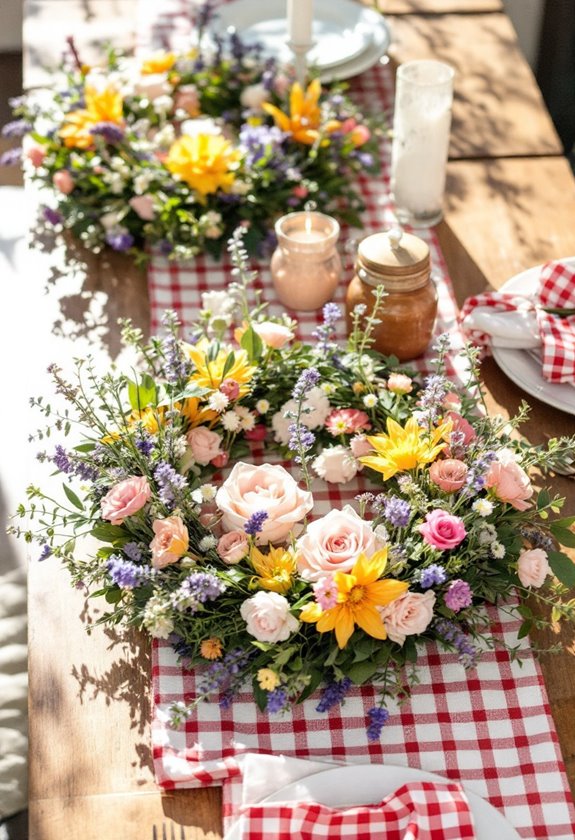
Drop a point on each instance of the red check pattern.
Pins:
(556, 291)
(491, 728)
(424, 810)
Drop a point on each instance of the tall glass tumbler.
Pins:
(421, 126)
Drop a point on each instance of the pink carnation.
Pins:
(125, 499)
(347, 421)
(442, 530)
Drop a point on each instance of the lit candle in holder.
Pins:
(306, 266)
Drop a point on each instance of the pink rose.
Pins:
(334, 542)
(170, 541)
(449, 475)
(125, 499)
(143, 206)
(187, 99)
(399, 383)
(273, 335)
(204, 443)
(533, 567)
(258, 432)
(335, 464)
(270, 488)
(509, 481)
(34, 152)
(63, 181)
(442, 530)
(230, 388)
(408, 615)
(268, 618)
(233, 547)
(347, 421)
(360, 446)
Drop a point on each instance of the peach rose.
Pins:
(399, 383)
(268, 618)
(187, 99)
(334, 542)
(273, 335)
(205, 444)
(449, 475)
(509, 481)
(250, 489)
(63, 181)
(125, 499)
(233, 547)
(143, 206)
(170, 542)
(533, 567)
(33, 151)
(408, 615)
(153, 85)
(335, 464)
(253, 96)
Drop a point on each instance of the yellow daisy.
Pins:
(206, 162)
(275, 570)
(359, 594)
(405, 448)
(209, 373)
(159, 62)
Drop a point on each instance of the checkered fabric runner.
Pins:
(425, 810)
(491, 728)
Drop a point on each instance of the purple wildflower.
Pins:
(124, 573)
(165, 247)
(198, 588)
(221, 673)
(110, 132)
(333, 694)
(467, 653)
(176, 366)
(458, 595)
(144, 443)
(255, 523)
(119, 240)
(16, 128)
(170, 483)
(324, 333)
(307, 379)
(133, 552)
(300, 438)
(397, 511)
(475, 479)
(51, 216)
(432, 396)
(61, 460)
(11, 157)
(434, 575)
(277, 701)
(262, 142)
(45, 553)
(378, 717)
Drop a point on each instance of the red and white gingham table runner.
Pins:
(490, 728)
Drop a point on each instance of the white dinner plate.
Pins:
(365, 784)
(346, 35)
(522, 367)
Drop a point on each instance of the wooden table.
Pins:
(510, 204)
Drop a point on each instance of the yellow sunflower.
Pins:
(405, 448)
(359, 594)
(275, 570)
(304, 119)
(209, 373)
(150, 419)
(206, 162)
(159, 62)
(196, 414)
(104, 105)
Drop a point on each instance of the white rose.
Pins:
(320, 408)
(533, 567)
(335, 464)
(253, 96)
(205, 125)
(268, 618)
(153, 85)
(281, 423)
(218, 304)
(408, 615)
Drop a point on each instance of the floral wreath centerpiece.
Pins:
(234, 569)
(173, 151)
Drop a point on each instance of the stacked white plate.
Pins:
(348, 38)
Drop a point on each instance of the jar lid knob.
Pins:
(394, 235)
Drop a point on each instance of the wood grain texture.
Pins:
(503, 216)
(498, 110)
(435, 7)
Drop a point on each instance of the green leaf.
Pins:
(252, 344)
(190, 391)
(562, 567)
(543, 499)
(284, 655)
(316, 678)
(524, 630)
(260, 696)
(360, 672)
(563, 535)
(110, 533)
(229, 363)
(565, 522)
(142, 394)
(113, 596)
(71, 496)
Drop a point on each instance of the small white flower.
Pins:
(487, 534)
(197, 496)
(262, 406)
(483, 507)
(142, 181)
(163, 104)
(247, 419)
(208, 492)
(218, 304)
(180, 446)
(382, 534)
(230, 421)
(328, 388)
(218, 401)
(497, 550)
(240, 187)
(115, 180)
(208, 542)
(370, 400)
(118, 164)
(110, 220)
(157, 618)
(165, 136)
(212, 218)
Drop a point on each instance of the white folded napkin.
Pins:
(263, 774)
(516, 330)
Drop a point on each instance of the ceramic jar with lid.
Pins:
(400, 263)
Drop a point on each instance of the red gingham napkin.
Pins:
(556, 290)
(423, 810)
(490, 728)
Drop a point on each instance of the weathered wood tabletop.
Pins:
(510, 204)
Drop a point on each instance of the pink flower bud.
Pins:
(220, 460)
(63, 181)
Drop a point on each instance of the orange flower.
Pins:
(159, 62)
(101, 106)
(211, 648)
(304, 120)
